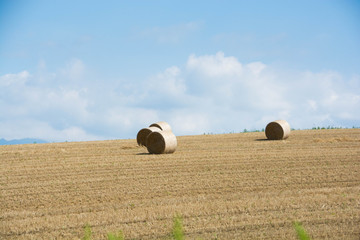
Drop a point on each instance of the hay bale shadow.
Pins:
(143, 154)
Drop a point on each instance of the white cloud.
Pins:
(253, 94)
(34, 108)
(256, 67)
(34, 128)
(169, 82)
(18, 79)
(189, 122)
(231, 83)
(124, 119)
(211, 93)
(74, 69)
(325, 98)
(215, 66)
(312, 105)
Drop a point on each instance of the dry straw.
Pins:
(277, 130)
(162, 125)
(144, 133)
(161, 142)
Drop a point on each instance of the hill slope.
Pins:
(232, 186)
(20, 141)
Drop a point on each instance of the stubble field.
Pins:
(231, 186)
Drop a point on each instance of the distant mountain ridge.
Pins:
(21, 141)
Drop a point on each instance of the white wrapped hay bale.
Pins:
(161, 142)
(144, 133)
(162, 125)
(277, 130)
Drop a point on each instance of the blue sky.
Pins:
(93, 70)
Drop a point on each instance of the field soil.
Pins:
(230, 186)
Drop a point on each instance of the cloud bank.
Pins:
(209, 93)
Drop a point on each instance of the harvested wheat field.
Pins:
(231, 186)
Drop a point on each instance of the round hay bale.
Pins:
(162, 125)
(144, 133)
(277, 130)
(161, 142)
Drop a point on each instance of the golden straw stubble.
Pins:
(144, 133)
(161, 142)
(162, 125)
(277, 130)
